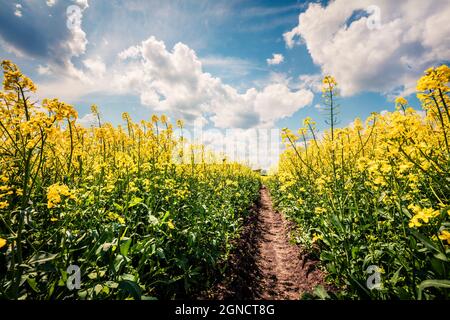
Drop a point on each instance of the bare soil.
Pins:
(265, 264)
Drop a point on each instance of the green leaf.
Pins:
(96, 275)
(82, 294)
(432, 283)
(33, 284)
(406, 212)
(41, 258)
(337, 223)
(320, 292)
(355, 280)
(426, 242)
(166, 215)
(160, 253)
(98, 288)
(105, 290)
(438, 267)
(111, 284)
(130, 288)
(355, 251)
(125, 246)
(128, 276)
(51, 289)
(394, 278)
(441, 256)
(326, 256)
(118, 262)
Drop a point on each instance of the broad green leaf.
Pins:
(394, 278)
(432, 283)
(33, 284)
(321, 293)
(438, 267)
(41, 258)
(130, 288)
(125, 246)
(441, 256)
(425, 241)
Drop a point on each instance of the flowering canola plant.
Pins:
(375, 193)
(140, 211)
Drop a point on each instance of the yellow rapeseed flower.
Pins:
(2, 243)
(54, 193)
(116, 217)
(316, 237)
(421, 215)
(319, 210)
(400, 101)
(3, 204)
(445, 236)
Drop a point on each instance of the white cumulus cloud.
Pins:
(174, 82)
(88, 120)
(18, 11)
(412, 36)
(44, 70)
(95, 65)
(78, 41)
(82, 3)
(311, 82)
(277, 58)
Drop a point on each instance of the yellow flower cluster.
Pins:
(56, 193)
(328, 81)
(319, 210)
(421, 215)
(116, 217)
(445, 236)
(316, 237)
(2, 243)
(369, 180)
(103, 177)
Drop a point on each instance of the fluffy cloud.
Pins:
(277, 101)
(55, 40)
(412, 35)
(277, 58)
(83, 4)
(95, 65)
(43, 69)
(259, 148)
(289, 37)
(311, 82)
(77, 40)
(18, 12)
(88, 120)
(174, 82)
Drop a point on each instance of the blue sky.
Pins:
(209, 60)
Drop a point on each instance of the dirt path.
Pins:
(265, 264)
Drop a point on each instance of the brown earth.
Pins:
(265, 264)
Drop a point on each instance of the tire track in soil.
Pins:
(265, 265)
